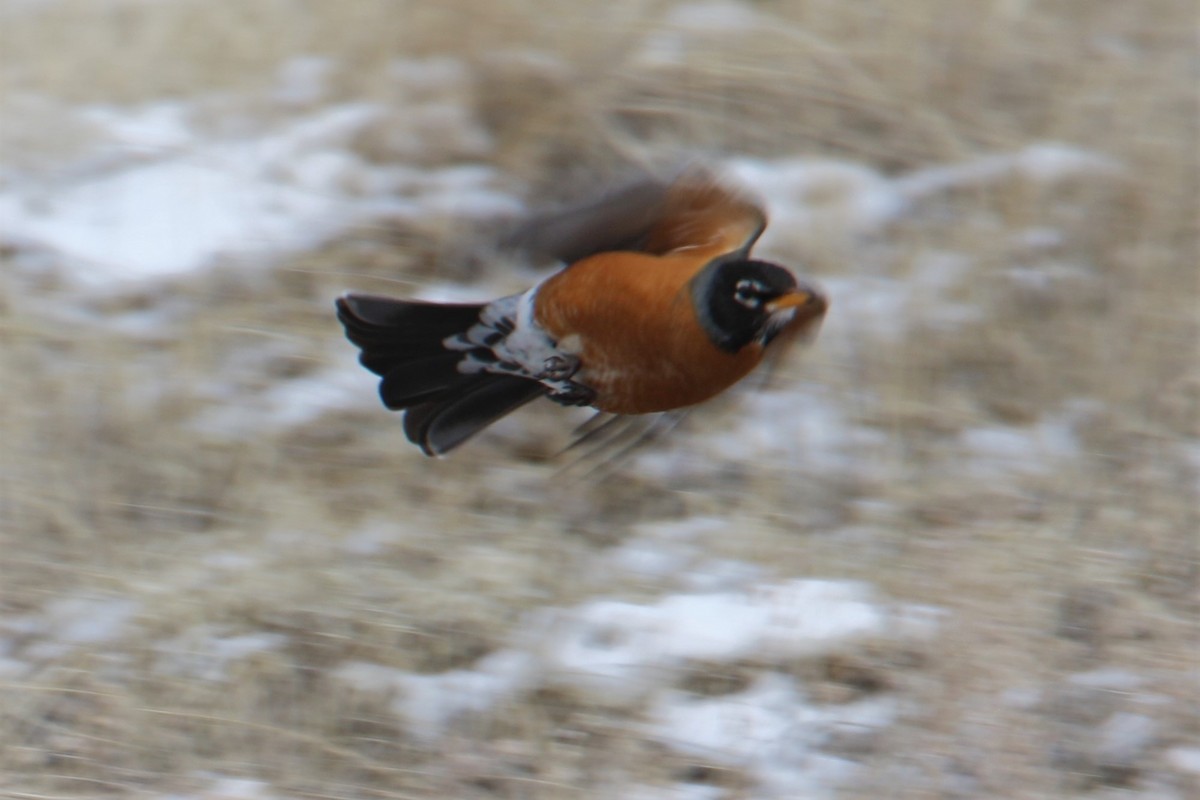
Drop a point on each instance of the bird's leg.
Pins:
(556, 376)
(559, 368)
(570, 393)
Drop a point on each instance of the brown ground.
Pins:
(107, 489)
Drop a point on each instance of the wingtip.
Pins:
(344, 307)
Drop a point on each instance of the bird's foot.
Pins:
(559, 368)
(569, 393)
(556, 376)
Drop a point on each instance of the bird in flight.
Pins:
(660, 307)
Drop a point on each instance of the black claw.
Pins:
(559, 368)
(574, 394)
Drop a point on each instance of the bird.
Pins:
(659, 307)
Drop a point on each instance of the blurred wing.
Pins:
(706, 217)
(695, 212)
(619, 220)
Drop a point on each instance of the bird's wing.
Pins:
(618, 220)
(706, 218)
(693, 212)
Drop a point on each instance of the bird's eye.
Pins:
(749, 293)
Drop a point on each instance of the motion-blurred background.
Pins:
(950, 551)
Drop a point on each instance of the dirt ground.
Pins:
(1014, 442)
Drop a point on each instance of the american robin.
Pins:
(660, 307)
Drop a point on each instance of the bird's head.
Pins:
(740, 302)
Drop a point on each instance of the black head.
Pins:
(739, 302)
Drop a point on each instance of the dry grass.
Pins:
(107, 494)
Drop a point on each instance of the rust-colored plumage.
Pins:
(629, 319)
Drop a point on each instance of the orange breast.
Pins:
(629, 317)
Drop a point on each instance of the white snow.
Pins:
(769, 730)
(808, 430)
(430, 703)
(621, 653)
(148, 219)
(207, 653)
(811, 432)
(1190, 453)
(371, 539)
(870, 307)
(465, 191)
(1185, 759)
(230, 561)
(148, 130)
(1123, 739)
(434, 75)
(13, 668)
(676, 34)
(303, 399)
(88, 620)
(616, 651)
(674, 791)
(1117, 680)
(164, 219)
(288, 403)
(996, 450)
(650, 559)
(721, 16)
(65, 624)
(157, 199)
(1047, 162)
(810, 199)
(674, 552)
(224, 787)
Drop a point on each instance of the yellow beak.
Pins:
(797, 299)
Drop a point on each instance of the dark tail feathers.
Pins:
(402, 342)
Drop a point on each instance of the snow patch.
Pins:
(810, 199)
(1112, 678)
(206, 653)
(616, 651)
(770, 730)
(227, 788)
(686, 27)
(666, 553)
(717, 16)
(435, 75)
(165, 219)
(88, 620)
(431, 703)
(371, 539)
(674, 791)
(147, 130)
(996, 450)
(166, 202)
(1186, 759)
(1047, 162)
(1190, 451)
(288, 404)
(805, 429)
